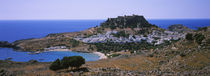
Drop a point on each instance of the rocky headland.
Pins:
(123, 29)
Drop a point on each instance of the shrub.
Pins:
(55, 65)
(202, 28)
(74, 42)
(121, 34)
(182, 55)
(115, 55)
(189, 36)
(73, 61)
(112, 27)
(132, 51)
(150, 55)
(66, 62)
(199, 38)
(77, 61)
(208, 41)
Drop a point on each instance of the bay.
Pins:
(11, 30)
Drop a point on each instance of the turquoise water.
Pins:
(11, 30)
(44, 56)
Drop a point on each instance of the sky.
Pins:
(103, 9)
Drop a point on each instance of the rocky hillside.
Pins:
(124, 30)
(179, 28)
(186, 57)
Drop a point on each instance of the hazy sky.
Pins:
(102, 9)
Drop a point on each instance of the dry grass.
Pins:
(198, 60)
(136, 63)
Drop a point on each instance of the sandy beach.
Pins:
(101, 55)
(60, 50)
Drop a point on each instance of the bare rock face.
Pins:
(179, 28)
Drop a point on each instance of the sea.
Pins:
(11, 30)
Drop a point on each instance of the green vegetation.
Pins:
(202, 28)
(114, 55)
(74, 42)
(99, 30)
(112, 27)
(56, 65)
(66, 62)
(126, 22)
(90, 47)
(121, 34)
(142, 32)
(189, 36)
(132, 46)
(111, 46)
(199, 38)
(208, 41)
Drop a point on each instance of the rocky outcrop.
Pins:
(179, 28)
(134, 21)
(133, 29)
(6, 44)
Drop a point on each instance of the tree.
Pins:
(55, 65)
(73, 61)
(189, 36)
(77, 61)
(66, 62)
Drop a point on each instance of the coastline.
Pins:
(60, 50)
(101, 55)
